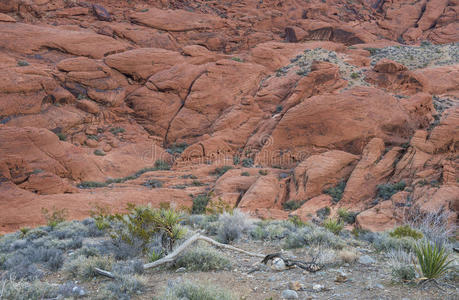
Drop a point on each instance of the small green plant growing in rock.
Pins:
(323, 212)
(23, 63)
(333, 225)
(177, 148)
(221, 170)
(336, 192)
(263, 172)
(247, 162)
(54, 217)
(238, 59)
(200, 203)
(24, 231)
(346, 215)
(386, 191)
(153, 183)
(61, 136)
(117, 130)
(355, 75)
(292, 204)
(162, 165)
(406, 231)
(99, 152)
(432, 259)
(245, 174)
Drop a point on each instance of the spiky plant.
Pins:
(433, 259)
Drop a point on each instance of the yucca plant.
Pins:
(333, 225)
(432, 259)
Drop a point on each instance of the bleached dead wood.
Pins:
(171, 257)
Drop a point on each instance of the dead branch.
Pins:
(171, 257)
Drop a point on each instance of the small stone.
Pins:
(379, 286)
(366, 260)
(295, 285)
(341, 277)
(289, 294)
(180, 270)
(317, 287)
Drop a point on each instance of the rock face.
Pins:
(316, 102)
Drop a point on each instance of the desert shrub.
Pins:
(245, 174)
(386, 191)
(313, 235)
(188, 290)
(247, 162)
(117, 130)
(346, 215)
(19, 266)
(202, 259)
(232, 226)
(153, 183)
(23, 63)
(179, 186)
(221, 170)
(197, 183)
(70, 230)
(323, 212)
(272, 230)
(143, 224)
(91, 184)
(336, 192)
(217, 207)
(200, 203)
(355, 75)
(432, 259)
(19, 290)
(333, 225)
(70, 290)
(383, 242)
(263, 172)
(162, 165)
(83, 267)
(238, 59)
(102, 217)
(401, 263)
(406, 231)
(177, 148)
(434, 225)
(122, 287)
(99, 152)
(292, 204)
(347, 256)
(55, 216)
(296, 221)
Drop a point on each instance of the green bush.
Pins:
(247, 162)
(20, 290)
(292, 204)
(153, 183)
(117, 130)
(122, 287)
(142, 223)
(82, 267)
(333, 225)
(406, 231)
(245, 174)
(263, 172)
(221, 170)
(403, 273)
(323, 212)
(432, 259)
(336, 192)
(177, 148)
(200, 203)
(237, 59)
(23, 63)
(202, 259)
(192, 291)
(61, 136)
(386, 191)
(162, 165)
(346, 215)
(55, 216)
(99, 152)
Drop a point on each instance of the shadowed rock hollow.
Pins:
(326, 103)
